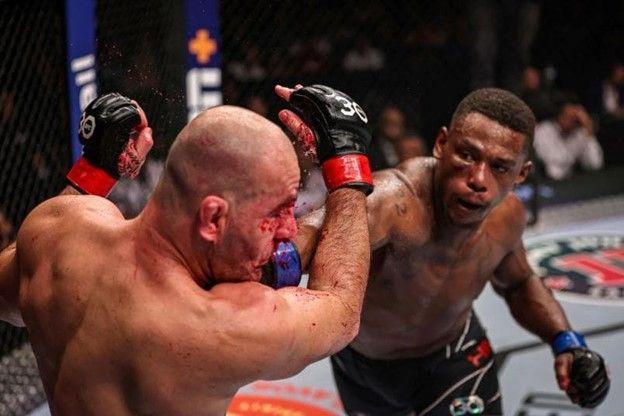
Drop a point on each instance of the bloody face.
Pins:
(479, 162)
(257, 224)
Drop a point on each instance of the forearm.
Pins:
(340, 265)
(534, 307)
(306, 240)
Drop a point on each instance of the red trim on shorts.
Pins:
(90, 179)
(348, 169)
(483, 351)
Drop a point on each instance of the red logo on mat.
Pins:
(587, 266)
(244, 405)
(279, 399)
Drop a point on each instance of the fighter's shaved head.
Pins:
(227, 151)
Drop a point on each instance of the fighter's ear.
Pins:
(526, 168)
(213, 212)
(440, 141)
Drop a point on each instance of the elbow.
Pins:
(352, 331)
(349, 330)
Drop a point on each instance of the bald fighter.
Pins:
(441, 228)
(163, 314)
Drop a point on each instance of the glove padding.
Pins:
(106, 126)
(342, 135)
(588, 377)
(116, 141)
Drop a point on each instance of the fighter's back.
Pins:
(109, 333)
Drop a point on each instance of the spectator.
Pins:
(567, 140)
(607, 98)
(607, 104)
(411, 145)
(314, 56)
(613, 91)
(392, 145)
(250, 68)
(364, 57)
(502, 32)
(535, 95)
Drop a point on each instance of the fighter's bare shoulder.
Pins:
(66, 214)
(71, 208)
(398, 207)
(418, 172)
(507, 221)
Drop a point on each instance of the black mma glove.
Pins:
(110, 129)
(342, 135)
(589, 380)
(589, 377)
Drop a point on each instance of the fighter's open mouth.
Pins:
(469, 205)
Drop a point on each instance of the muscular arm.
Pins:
(387, 207)
(9, 279)
(530, 302)
(280, 332)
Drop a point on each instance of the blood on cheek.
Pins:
(268, 225)
(284, 219)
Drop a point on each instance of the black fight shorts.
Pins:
(456, 380)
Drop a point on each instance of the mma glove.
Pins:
(588, 375)
(342, 135)
(340, 127)
(109, 127)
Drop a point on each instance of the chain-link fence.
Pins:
(418, 57)
(34, 152)
(140, 53)
(33, 106)
(140, 47)
(410, 54)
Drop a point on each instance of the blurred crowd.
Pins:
(410, 63)
(407, 63)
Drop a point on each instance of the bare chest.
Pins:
(414, 280)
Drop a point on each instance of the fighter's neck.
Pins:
(164, 243)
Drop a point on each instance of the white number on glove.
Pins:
(351, 108)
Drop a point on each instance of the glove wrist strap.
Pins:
(286, 265)
(90, 179)
(567, 340)
(350, 170)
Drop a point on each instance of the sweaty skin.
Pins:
(442, 228)
(130, 161)
(118, 311)
(9, 278)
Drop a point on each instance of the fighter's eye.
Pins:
(500, 168)
(465, 155)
